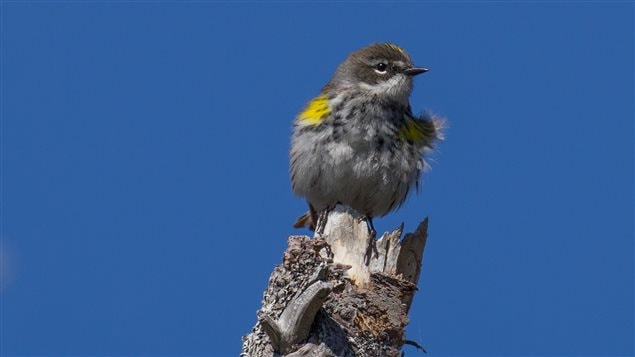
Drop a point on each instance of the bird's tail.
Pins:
(307, 220)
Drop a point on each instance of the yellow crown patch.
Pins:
(395, 47)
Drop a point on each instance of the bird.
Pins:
(358, 143)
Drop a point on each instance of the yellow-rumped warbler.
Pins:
(358, 143)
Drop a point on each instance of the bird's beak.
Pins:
(413, 71)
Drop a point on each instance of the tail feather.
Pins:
(309, 219)
(305, 221)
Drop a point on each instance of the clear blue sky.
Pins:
(145, 189)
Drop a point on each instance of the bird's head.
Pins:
(382, 69)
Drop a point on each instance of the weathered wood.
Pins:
(342, 294)
(293, 325)
(348, 237)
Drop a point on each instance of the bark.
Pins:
(342, 294)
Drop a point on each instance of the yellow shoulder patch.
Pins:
(412, 130)
(316, 111)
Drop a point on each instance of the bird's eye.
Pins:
(381, 68)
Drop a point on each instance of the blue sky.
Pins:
(145, 190)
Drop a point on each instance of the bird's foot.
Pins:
(372, 243)
(323, 217)
(372, 233)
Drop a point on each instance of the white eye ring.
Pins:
(381, 68)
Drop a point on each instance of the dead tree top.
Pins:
(342, 294)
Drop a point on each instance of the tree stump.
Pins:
(342, 294)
